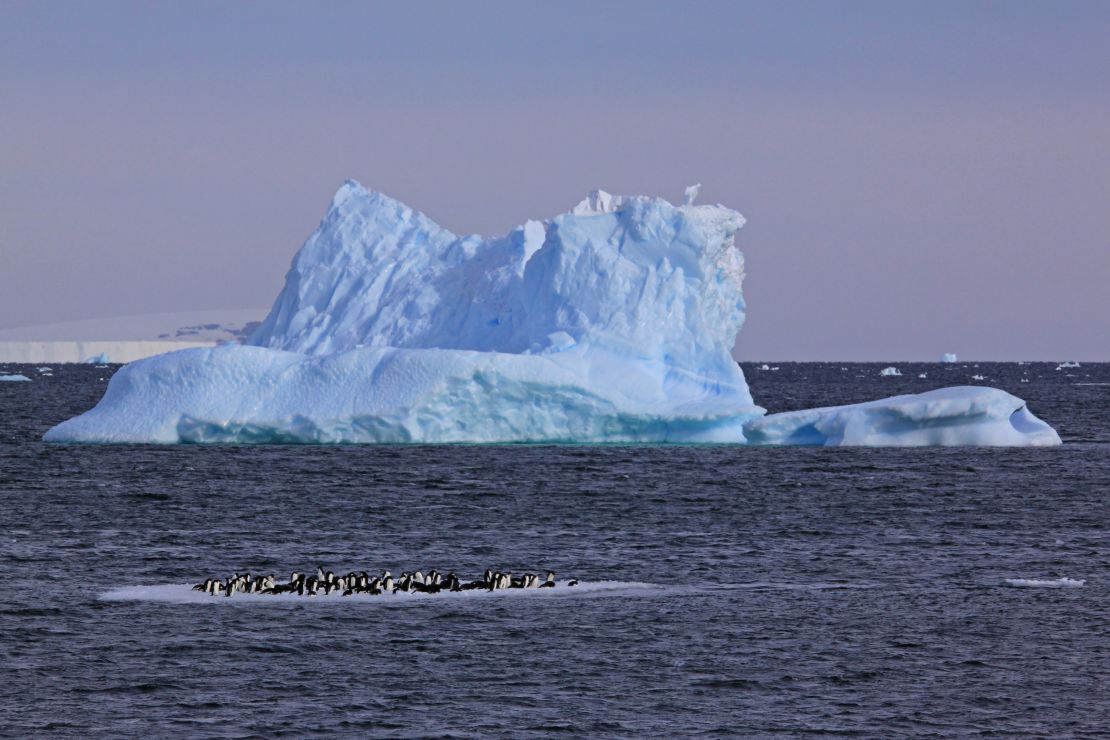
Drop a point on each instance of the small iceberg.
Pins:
(964, 416)
(101, 359)
(948, 357)
(1067, 365)
(887, 372)
(14, 378)
(1052, 583)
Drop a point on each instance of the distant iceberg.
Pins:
(610, 323)
(14, 378)
(948, 357)
(100, 359)
(887, 372)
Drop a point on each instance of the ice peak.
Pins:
(599, 202)
(349, 189)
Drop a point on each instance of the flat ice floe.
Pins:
(1049, 583)
(179, 593)
(613, 322)
(14, 378)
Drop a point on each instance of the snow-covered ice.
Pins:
(610, 323)
(960, 416)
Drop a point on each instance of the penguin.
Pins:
(387, 583)
(572, 582)
(550, 582)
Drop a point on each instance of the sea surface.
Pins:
(725, 590)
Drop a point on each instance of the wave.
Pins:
(1051, 583)
(182, 593)
(786, 586)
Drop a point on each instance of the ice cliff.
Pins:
(610, 323)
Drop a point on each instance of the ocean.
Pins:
(724, 590)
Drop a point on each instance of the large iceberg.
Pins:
(610, 323)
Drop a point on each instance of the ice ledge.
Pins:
(961, 416)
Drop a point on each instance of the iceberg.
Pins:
(613, 322)
(99, 359)
(14, 378)
(887, 372)
(965, 416)
(948, 357)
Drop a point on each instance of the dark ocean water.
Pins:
(759, 591)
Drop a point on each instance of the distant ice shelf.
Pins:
(34, 352)
(612, 322)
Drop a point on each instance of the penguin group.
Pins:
(326, 582)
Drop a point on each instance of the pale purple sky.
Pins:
(918, 178)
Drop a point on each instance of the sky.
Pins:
(918, 177)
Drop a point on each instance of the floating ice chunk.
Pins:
(948, 357)
(890, 371)
(14, 378)
(45, 369)
(959, 416)
(922, 375)
(765, 366)
(1067, 365)
(99, 359)
(978, 377)
(1050, 583)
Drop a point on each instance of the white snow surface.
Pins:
(965, 416)
(610, 323)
